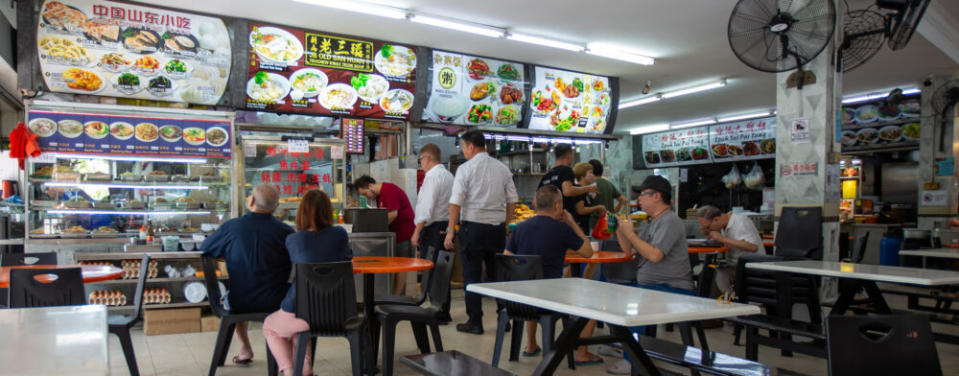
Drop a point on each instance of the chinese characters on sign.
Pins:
(352, 131)
(676, 148)
(799, 169)
(728, 142)
(471, 90)
(339, 53)
(297, 173)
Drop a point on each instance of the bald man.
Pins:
(254, 247)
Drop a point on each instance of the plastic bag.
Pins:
(600, 231)
(733, 178)
(755, 178)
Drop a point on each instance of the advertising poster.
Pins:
(317, 73)
(82, 133)
(676, 148)
(744, 140)
(875, 125)
(131, 51)
(565, 101)
(470, 90)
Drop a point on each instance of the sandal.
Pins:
(242, 362)
(532, 354)
(593, 359)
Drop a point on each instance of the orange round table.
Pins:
(708, 249)
(91, 273)
(599, 257)
(768, 236)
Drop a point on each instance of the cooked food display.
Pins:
(507, 115)
(194, 136)
(64, 50)
(571, 90)
(96, 129)
(563, 123)
(734, 150)
(62, 16)
(667, 156)
(176, 67)
(338, 97)
(683, 155)
(114, 61)
(267, 87)
(80, 79)
(160, 86)
(178, 43)
(309, 81)
(700, 153)
(478, 69)
(216, 136)
(507, 72)
(158, 173)
(397, 101)
(750, 148)
(890, 133)
(74, 229)
(278, 45)
(719, 151)
(479, 113)
(548, 104)
(868, 135)
(848, 115)
(105, 229)
(652, 157)
(128, 83)
(910, 108)
(395, 61)
(448, 108)
(70, 128)
(481, 90)
(140, 40)
(170, 133)
(867, 114)
(849, 138)
(599, 86)
(42, 127)
(147, 64)
(146, 132)
(509, 93)
(911, 131)
(101, 30)
(370, 87)
(121, 130)
(768, 146)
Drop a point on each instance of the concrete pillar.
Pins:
(936, 143)
(807, 170)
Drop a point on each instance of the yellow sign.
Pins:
(447, 78)
(339, 53)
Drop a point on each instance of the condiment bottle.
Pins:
(143, 232)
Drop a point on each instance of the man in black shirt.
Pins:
(562, 177)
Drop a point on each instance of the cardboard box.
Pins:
(210, 323)
(171, 321)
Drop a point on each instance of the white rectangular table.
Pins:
(54, 340)
(950, 253)
(852, 277)
(617, 305)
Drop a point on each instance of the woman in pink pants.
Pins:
(316, 240)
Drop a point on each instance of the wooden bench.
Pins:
(450, 363)
(716, 363)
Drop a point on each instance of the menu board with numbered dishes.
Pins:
(130, 51)
(676, 148)
(352, 132)
(749, 139)
(300, 71)
(471, 90)
(84, 133)
(566, 101)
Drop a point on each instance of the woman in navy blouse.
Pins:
(316, 240)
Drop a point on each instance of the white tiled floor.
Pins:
(190, 354)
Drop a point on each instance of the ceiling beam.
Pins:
(937, 27)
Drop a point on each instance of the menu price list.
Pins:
(352, 132)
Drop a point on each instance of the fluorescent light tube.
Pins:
(649, 129)
(640, 102)
(695, 89)
(746, 116)
(692, 123)
(545, 42)
(487, 31)
(874, 96)
(618, 53)
(359, 7)
(914, 90)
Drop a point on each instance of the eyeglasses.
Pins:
(647, 193)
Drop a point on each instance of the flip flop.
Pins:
(591, 361)
(242, 362)
(532, 354)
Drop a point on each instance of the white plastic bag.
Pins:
(755, 178)
(733, 178)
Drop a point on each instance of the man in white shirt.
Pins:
(735, 231)
(480, 189)
(432, 207)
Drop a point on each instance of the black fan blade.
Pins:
(758, 38)
(905, 24)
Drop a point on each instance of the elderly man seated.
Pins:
(254, 247)
(549, 235)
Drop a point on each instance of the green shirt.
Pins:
(607, 197)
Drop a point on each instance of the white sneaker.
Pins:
(609, 351)
(619, 367)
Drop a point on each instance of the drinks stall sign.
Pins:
(131, 51)
(744, 140)
(565, 101)
(294, 70)
(88, 133)
(470, 90)
(676, 148)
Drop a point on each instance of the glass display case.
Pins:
(293, 165)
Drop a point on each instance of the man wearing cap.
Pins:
(661, 247)
(482, 187)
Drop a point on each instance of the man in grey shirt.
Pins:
(662, 246)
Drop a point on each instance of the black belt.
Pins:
(464, 223)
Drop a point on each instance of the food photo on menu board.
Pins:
(676, 148)
(750, 139)
(131, 51)
(470, 90)
(565, 101)
(129, 135)
(293, 70)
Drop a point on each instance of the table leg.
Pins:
(368, 310)
(847, 293)
(635, 351)
(564, 344)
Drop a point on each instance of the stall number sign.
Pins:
(339, 53)
(284, 180)
(799, 169)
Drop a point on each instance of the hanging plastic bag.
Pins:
(733, 178)
(755, 178)
(600, 231)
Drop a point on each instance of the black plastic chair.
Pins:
(120, 324)
(521, 268)
(38, 258)
(859, 248)
(65, 290)
(389, 315)
(424, 287)
(228, 320)
(326, 299)
(799, 235)
(900, 344)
